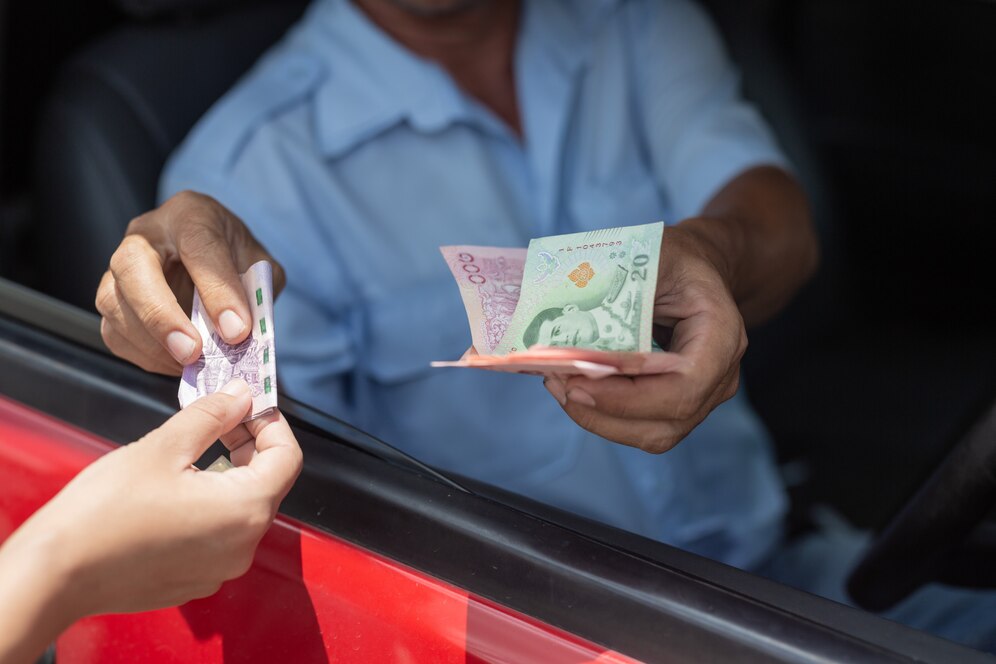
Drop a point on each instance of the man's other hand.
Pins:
(655, 411)
(740, 262)
(145, 296)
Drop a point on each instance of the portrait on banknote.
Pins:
(611, 324)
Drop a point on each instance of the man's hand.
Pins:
(145, 295)
(741, 261)
(655, 411)
(141, 528)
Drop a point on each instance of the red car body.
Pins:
(375, 557)
(309, 597)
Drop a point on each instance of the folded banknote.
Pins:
(569, 304)
(254, 359)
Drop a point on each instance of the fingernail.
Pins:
(236, 387)
(556, 388)
(577, 395)
(180, 346)
(231, 324)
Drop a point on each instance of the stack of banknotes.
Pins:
(581, 303)
(254, 359)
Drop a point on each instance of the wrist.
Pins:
(714, 241)
(36, 581)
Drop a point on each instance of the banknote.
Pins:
(220, 465)
(570, 304)
(588, 290)
(590, 363)
(254, 359)
(489, 279)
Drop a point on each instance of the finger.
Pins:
(243, 455)
(661, 396)
(208, 256)
(236, 438)
(278, 458)
(256, 253)
(137, 271)
(160, 362)
(241, 444)
(651, 435)
(654, 436)
(556, 387)
(669, 396)
(189, 433)
(125, 334)
(705, 349)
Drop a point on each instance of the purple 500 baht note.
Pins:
(253, 360)
(490, 279)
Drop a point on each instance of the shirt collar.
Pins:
(374, 83)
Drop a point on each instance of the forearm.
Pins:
(758, 232)
(31, 613)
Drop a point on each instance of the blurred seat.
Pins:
(116, 112)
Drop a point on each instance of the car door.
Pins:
(375, 557)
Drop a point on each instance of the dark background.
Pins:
(886, 108)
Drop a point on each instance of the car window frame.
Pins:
(633, 595)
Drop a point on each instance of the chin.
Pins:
(437, 7)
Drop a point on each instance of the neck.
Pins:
(438, 34)
(473, 40)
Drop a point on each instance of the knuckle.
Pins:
(154, 314)
(741, 343)
(108, 335)
(238, 559)
(206, 590)
(202, 243)
(241, 565)
(622, 408)
(585, 418)
(732, 387)
(138, 225)
(214, 291)
(298, 465)
(198, 234)
(186, 199)
(129, 255)
(656, 443)
(106, 301)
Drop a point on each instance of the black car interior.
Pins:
(878, 384)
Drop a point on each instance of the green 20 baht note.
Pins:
(569, 304)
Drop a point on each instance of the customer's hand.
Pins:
(145, 295)
(141, 528)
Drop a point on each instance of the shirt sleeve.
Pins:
(701, 133)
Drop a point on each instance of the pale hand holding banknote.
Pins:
(581, 303)
(253, 359)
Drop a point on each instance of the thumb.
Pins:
(189, 433)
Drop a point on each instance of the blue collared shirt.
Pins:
(352, 160)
